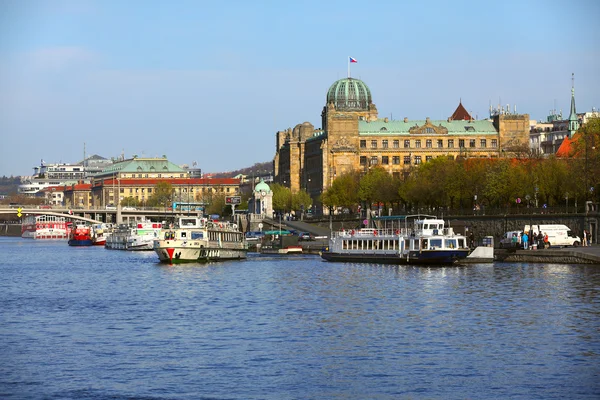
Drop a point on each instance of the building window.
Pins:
(407, 144)
(373, 144)
(384, 144)
(427, 158)
(450, 143)
(385, 160)
(461, 143)
(471, 143)
(363, 144)
(440, 143)
(149, 190)
(494, 143)
(406, 160)
(418, 144)
(417, 159)
(483, 143)
(374, 160)
(428, 143)
(363, 160)
(139, 175)
(396, 144)
(451, 158)
(396, 160)
(122, 190)
(429, 130)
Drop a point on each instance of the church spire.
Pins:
(573, 120)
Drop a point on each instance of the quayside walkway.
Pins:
(567, 255)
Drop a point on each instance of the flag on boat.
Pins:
(353, 60)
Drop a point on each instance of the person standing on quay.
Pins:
(525, 240)
(584, 241)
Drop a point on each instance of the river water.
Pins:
(90, 323)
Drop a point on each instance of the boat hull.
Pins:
(172, 252)
(80, 242)
(445, 257)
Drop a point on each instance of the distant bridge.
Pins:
(93, 215)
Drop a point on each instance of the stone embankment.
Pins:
(567, 255)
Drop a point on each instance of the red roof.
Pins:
(461, 114)
(566, 147)
(172, 181)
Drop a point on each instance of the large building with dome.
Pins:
(353, 137)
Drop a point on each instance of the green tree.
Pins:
(162, 195)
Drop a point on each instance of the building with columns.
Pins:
(353, 138)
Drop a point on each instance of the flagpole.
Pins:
(348, 66)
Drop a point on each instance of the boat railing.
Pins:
(372, 233)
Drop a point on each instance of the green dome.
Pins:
(262, 186)
(349, 94)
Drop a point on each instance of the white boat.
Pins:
(426, 242)
(134, 237)
(200, 240)
(118, 238)
(142, 236)
(45, 227)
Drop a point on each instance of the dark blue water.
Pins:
(88, 323)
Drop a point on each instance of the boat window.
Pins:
(435, 243)
(183, 235)
(197, 235)
(451, 243)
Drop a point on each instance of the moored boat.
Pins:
(427, 242)
(45, 227)
(200, 240)
(81, 235)
(143, 235)
(99, 233)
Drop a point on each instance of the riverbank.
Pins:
(567, 255)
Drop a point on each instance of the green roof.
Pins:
(380, 127)
(142, 165)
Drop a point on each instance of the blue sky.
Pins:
(212, 82)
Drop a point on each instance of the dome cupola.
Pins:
(349, 94)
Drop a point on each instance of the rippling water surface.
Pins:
(89, 323)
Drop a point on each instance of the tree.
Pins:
(343, 191)
(162, 196)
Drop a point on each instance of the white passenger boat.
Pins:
(426, 242)
(200, 240)
(134, 237)
(45, 227)
(118, 238)
(143, 235)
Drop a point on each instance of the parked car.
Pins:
(128, 208)
(111, 207)
(306, 236)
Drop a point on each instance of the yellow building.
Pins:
(353, 137)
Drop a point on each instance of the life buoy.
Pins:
(352, 233)
(375, 232)
(397, 231)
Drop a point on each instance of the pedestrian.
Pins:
(584, 242)
(546, 241)
(589, 238)
(525, 241)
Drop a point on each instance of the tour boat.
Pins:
(142, 236)
(45, 227)
(427, 242)
(200, 240)
(81, 235)
(99, 233)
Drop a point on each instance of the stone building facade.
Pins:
(354, 138)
